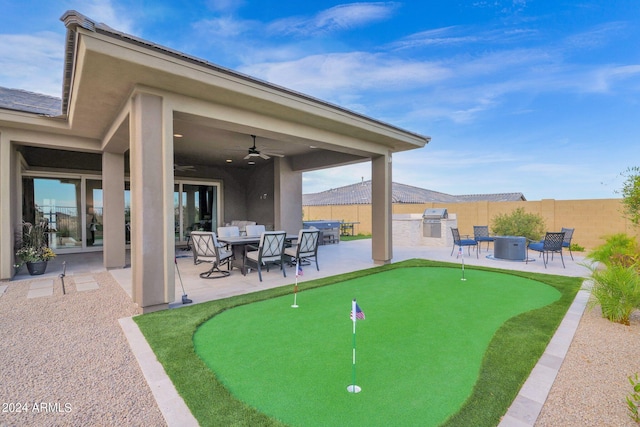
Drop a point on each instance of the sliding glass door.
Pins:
(57, 203)
(196, 206)
(72, 207)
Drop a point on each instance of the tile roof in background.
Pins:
(29, 102)
(360, 194)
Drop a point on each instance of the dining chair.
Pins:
(481, 234)
(458, 241)
(306, 248)
(255, 230)
(269, 251)
(568, 235)
(229, 231)
(551, 244)
(206, 248)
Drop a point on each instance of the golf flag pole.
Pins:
(295, 287)
(462, 255)
(356, 313)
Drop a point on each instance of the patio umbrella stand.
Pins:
(185, 300)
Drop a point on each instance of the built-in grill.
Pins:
(432, 222)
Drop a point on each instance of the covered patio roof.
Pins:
(215, 110)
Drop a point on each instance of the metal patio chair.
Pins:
(206, 248)
(269, 251)
(255, 230)
(566, 243)
(306, 248)
(551, 244)
(457, 241)
(481, 234)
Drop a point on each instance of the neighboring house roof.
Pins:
(29, 102)
(498, 197)
(360, 194)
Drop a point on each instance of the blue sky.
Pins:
(538, 97)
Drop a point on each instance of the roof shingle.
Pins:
(29, 102)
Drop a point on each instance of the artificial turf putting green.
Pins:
(419, 350)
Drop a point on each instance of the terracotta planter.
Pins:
(37, 268)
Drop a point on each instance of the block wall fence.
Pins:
(593, 220)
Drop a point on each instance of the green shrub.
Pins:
(576, 248)
(519, 223)
(617, 290)
(619, 249)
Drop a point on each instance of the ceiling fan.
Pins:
(254, 152)
(183, 168)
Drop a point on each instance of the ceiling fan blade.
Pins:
(247, 157)
(274, 154)
(183, 168)
(264, 156)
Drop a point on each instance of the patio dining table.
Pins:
(238, 243)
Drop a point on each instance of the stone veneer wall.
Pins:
(407, 230)
(593, 220)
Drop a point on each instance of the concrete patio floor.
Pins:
(333, 259)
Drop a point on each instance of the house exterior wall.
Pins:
(287, 197)
(593, 220)
(259, 196)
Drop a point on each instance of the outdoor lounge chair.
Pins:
(566, 243)
(481, 234)
(457, 241)
(551, 244)
(269, 251)
(207, 249)
(306, 248)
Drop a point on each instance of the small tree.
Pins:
(519, 223)
(631, 194)
(617, 286)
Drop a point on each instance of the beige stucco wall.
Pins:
(592, 219)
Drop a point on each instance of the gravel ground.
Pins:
(66, 362)
(592, 384)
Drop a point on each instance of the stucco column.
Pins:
(287, 197)
(113, 210)
(152, 218)
(381, 213)
(6, 228)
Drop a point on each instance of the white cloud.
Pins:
(434, 37)
(338, 18)
(597, 36)
(322, 180)
(325, 75)
(604, 79)
(225, 27)
(32, 62)
(107, 12)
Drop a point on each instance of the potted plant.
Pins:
(33, 249)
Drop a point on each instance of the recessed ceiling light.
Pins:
(252, 163)
(312, 146)
(229, 160)
(177, 135)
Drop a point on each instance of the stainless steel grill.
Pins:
(431, 222)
